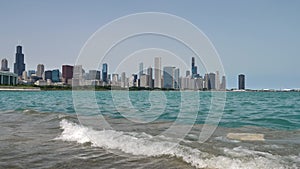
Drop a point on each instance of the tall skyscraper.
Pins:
(211, 81)
(4, 65)
(176, 78)
(150, 75)
(40, 70)
(194, 68)
(67, 73)
(104, 72)
(223, 83)
(157, 72)
(19, 65)
(168, 77)
(123, 79)
(241, 82)
(217, 81)
(141, 69)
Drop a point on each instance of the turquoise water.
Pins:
(276, 110)
(43, 130)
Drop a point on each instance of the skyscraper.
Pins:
(194, 68)
(40, 70)
(19, 65)
(141, 69)
(150, 74)
(157, 72)
(176, 78)
(211, 81)
(217, 81)
(4, 65)
(168, 77)
(55, 75)
(67, 73)
(48, 75)
(241, 82)
(223, 83)
(104, 72)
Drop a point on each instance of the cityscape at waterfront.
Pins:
(166, 77)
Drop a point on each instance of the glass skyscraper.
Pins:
(104, 72)
(19, 65)
(168, 77)
(241, 82)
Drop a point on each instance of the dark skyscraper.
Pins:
(67, 73)
(194, 68)
(19, 65)
(241, 82)
(104, 72)
(48, 75)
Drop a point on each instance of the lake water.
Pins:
(43, 130)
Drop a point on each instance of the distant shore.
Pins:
(107, 88)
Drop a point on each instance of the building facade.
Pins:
(67, 73)
(157, 72)
(19, 65)
(8, 78)
(241, 82)
(4, 65)
(168, 76)
(40, 70)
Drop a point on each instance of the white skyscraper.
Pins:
(141, 71)
(157, 72)
(217, 81)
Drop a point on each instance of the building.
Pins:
(141, 69)
(223, 83)
(150, 75)
(217, 81)
(241, 82)
(8, 78)
(211, 81)
(4, 65)
(199, 84)
(24, 75)
(168, 76)
(187, 73)
(30, 73)
(157, 72)
(48, 75)
(94, 75)
(115, 80)
(105, 72)
(19, 65)
(194, 68)
(40, 70)
(144, 80)
(176, 78)
(123, 80)
(78, 72)
(55, 76)
(67, 73)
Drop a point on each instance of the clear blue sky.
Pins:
(258, 38)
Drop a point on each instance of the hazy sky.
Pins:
(258, 38)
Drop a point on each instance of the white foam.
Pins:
(141, 144)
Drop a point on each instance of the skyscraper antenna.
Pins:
(19, 42)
